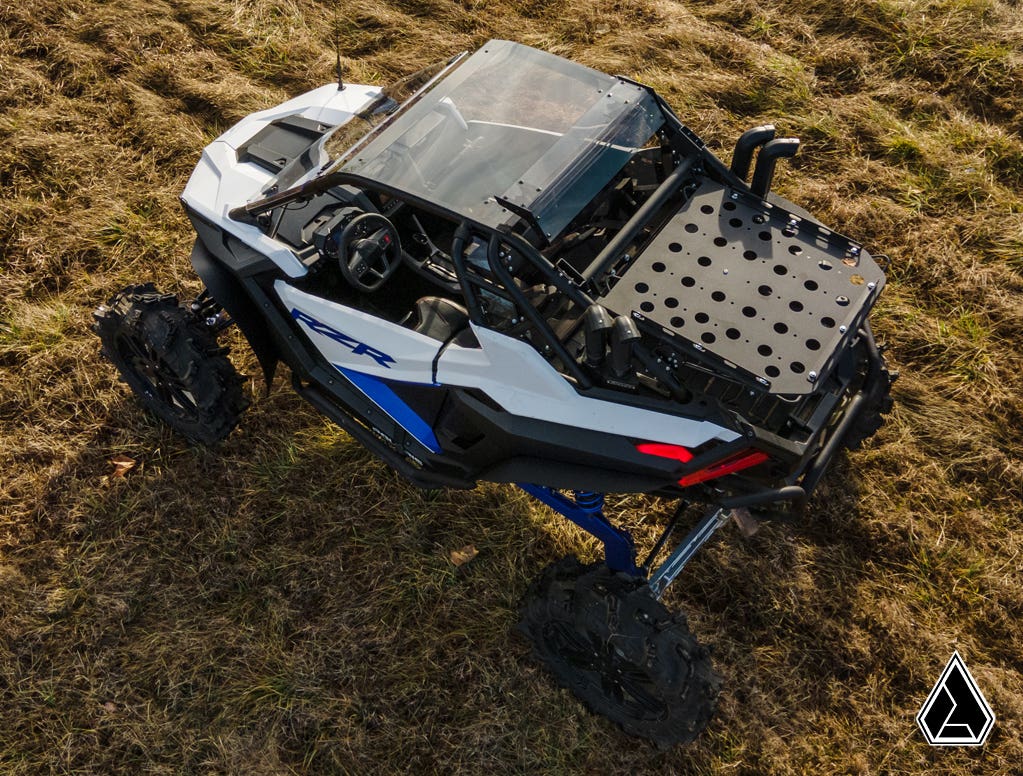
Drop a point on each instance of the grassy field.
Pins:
(285, 604)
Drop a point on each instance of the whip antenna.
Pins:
(337, 50)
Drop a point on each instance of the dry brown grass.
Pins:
(284, 604)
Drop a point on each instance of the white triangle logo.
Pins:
(955, 713)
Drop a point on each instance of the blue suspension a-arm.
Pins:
(586, 511)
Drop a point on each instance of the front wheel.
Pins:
(619, 650)
(172, 362)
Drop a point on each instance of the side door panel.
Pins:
(354, 340)
(371, 353)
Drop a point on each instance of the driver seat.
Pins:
(441, 319)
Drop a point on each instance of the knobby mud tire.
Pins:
(172, 362)
(620, 651)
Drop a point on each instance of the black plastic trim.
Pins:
(229, 294)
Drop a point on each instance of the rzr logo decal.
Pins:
(358, 348)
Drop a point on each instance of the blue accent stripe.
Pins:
(387, 400)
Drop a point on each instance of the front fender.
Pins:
(229, 293)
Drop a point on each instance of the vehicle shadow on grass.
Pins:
(287, 600)
(781, 609)
(290, 585)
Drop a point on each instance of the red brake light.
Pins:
(677, 452)
(744, 459)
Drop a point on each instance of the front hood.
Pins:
(241, 165)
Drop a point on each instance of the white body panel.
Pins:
(508, 370)
(220, 182)
(518, 378)
(344, 329)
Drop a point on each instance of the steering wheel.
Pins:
(368, 251)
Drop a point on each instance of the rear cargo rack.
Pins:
(763, 293)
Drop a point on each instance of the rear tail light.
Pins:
(733, 463)
(736, 462)
(677, 452)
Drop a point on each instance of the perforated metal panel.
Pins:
(775, 295)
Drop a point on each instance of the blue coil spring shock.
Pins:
(588, 501)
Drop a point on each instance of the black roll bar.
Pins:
(526, 309)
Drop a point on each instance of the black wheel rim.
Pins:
(626, 686)
(156, 378)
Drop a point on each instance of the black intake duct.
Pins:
(624, 335)
(767, 159)
(748, 142)
(597, 323)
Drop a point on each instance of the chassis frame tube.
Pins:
(872, 385)
(615, 249)
(666, 573)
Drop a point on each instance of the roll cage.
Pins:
(515, 240)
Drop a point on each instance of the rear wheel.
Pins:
(172, 362)
(621, 652)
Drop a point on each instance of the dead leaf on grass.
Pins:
(464, 555)
(122, 465)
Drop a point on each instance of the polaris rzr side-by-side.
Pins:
(513, 268)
